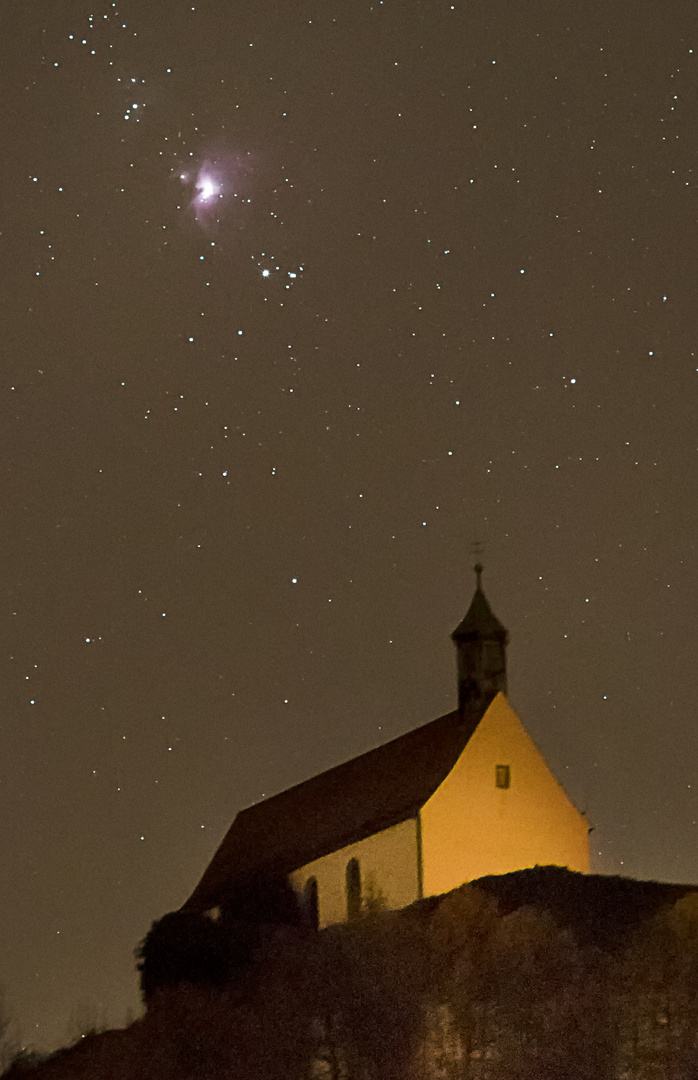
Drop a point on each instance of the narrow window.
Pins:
(312, 906)
(502, 776)
(353, 889)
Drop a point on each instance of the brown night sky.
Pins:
(440, 286)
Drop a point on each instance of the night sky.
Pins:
(300, 300)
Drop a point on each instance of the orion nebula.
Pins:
(210, 190)
(218, 185)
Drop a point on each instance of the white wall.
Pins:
(389, 872)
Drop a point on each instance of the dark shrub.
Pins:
(186, 947)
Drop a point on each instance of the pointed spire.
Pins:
(480, 641)
(479, 617)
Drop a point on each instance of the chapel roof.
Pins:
(479, 619)
(341, 806)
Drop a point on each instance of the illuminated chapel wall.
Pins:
(388, 862)
(471, 827)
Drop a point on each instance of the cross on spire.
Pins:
(477, 549)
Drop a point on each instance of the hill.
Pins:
(541, 974)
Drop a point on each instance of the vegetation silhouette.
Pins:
(538, 975)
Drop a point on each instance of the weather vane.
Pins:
(477, 549)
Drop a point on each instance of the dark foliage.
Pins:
(600, 911)
(190, 947)
(265, 898)
(184, 947)
(502, 982)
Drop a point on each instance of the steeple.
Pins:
(481, 642)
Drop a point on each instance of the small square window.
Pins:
(502, 776)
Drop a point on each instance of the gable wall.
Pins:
(389, 863)
(471, 828)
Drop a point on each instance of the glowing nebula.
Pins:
(210, 188)
(207, 189)
(219, 186)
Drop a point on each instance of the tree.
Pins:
(658, 989)
(459, 935)
(185, 947)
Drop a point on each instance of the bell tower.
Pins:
(481, 643)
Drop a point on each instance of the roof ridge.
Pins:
(348, 802)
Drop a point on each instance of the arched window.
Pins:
(353, 889)
(312, 906)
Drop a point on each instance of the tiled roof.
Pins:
(339, 807)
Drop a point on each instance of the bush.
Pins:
(185, 947)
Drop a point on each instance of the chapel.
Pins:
(461, 797)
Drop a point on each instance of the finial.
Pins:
(477, 548)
